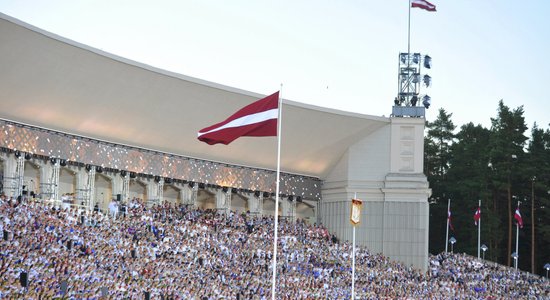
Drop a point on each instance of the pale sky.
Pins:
(337, 54)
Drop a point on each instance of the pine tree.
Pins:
(506, 144)
(437, 154)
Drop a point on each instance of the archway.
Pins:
(67, 183)
(206, 199)
(137, 190)
(305, 212)
(269, 207)
(31, 179)
(239, 203)
(171, 194)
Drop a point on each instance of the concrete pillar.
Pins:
(285, 207)
(253, 203)
(194, 195)
(91, 189)
(126, 188)
(46, 184)
(10, 176)
(220, 200)
(185, 194)
(81, 187)
(160, 191)
(260, 207)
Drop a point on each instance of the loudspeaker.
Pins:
(24, 279)
(147, 295)
(118, 197)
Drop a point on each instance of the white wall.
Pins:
(385, 171)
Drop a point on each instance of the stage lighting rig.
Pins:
(407, 103)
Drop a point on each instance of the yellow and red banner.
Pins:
(355, 215)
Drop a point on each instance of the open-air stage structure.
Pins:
(88, 126)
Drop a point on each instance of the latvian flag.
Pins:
(423, 4)
(256, 119)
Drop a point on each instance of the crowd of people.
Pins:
(175, 252)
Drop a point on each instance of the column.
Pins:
(126, 188)
(293, 209)
(185, 194)
(55, 179)
(194, 194)
(220, 200)
(160, 191)
(285, 206)
(254, 203)
(20, 173)
(91, 189)
(260, 208)
(81, 188)
(151, 189)
(10, 176)
(46, 185)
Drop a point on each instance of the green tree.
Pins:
(469, 174)
(506, 149)
(436, 164)
(539, 168)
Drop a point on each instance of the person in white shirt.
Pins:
(113, 208)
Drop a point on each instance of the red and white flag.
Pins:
(518, 218)
(423, 4)
(477, 215)
(450, 221)
(256, 119)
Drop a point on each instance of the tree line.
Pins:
(500, 166)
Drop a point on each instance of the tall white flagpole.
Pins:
(409, 31)
(276, 213)
(353, 260)
(479, 230)
(447, 232)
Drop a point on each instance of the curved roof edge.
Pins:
(181, 76)
(126, 60)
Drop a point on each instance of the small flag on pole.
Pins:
(450, 221)
(256, 119)
(477, 215)
(518, 218)
(423, 5)
(355, 216)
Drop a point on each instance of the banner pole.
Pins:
(276, 213)
(479, 231)
(447, 232)
(409, 31)
(517, 242)
(353, 260)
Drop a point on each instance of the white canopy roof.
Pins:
(55, 83)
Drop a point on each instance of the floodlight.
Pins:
(414, 100)
(416, 78)
(427, 62)
(426, 101)
(396, 101)
(427, 79)
(403, 57)
(416, 58)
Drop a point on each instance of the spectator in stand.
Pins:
(181, 253)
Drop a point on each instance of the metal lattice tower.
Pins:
(409, 102)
